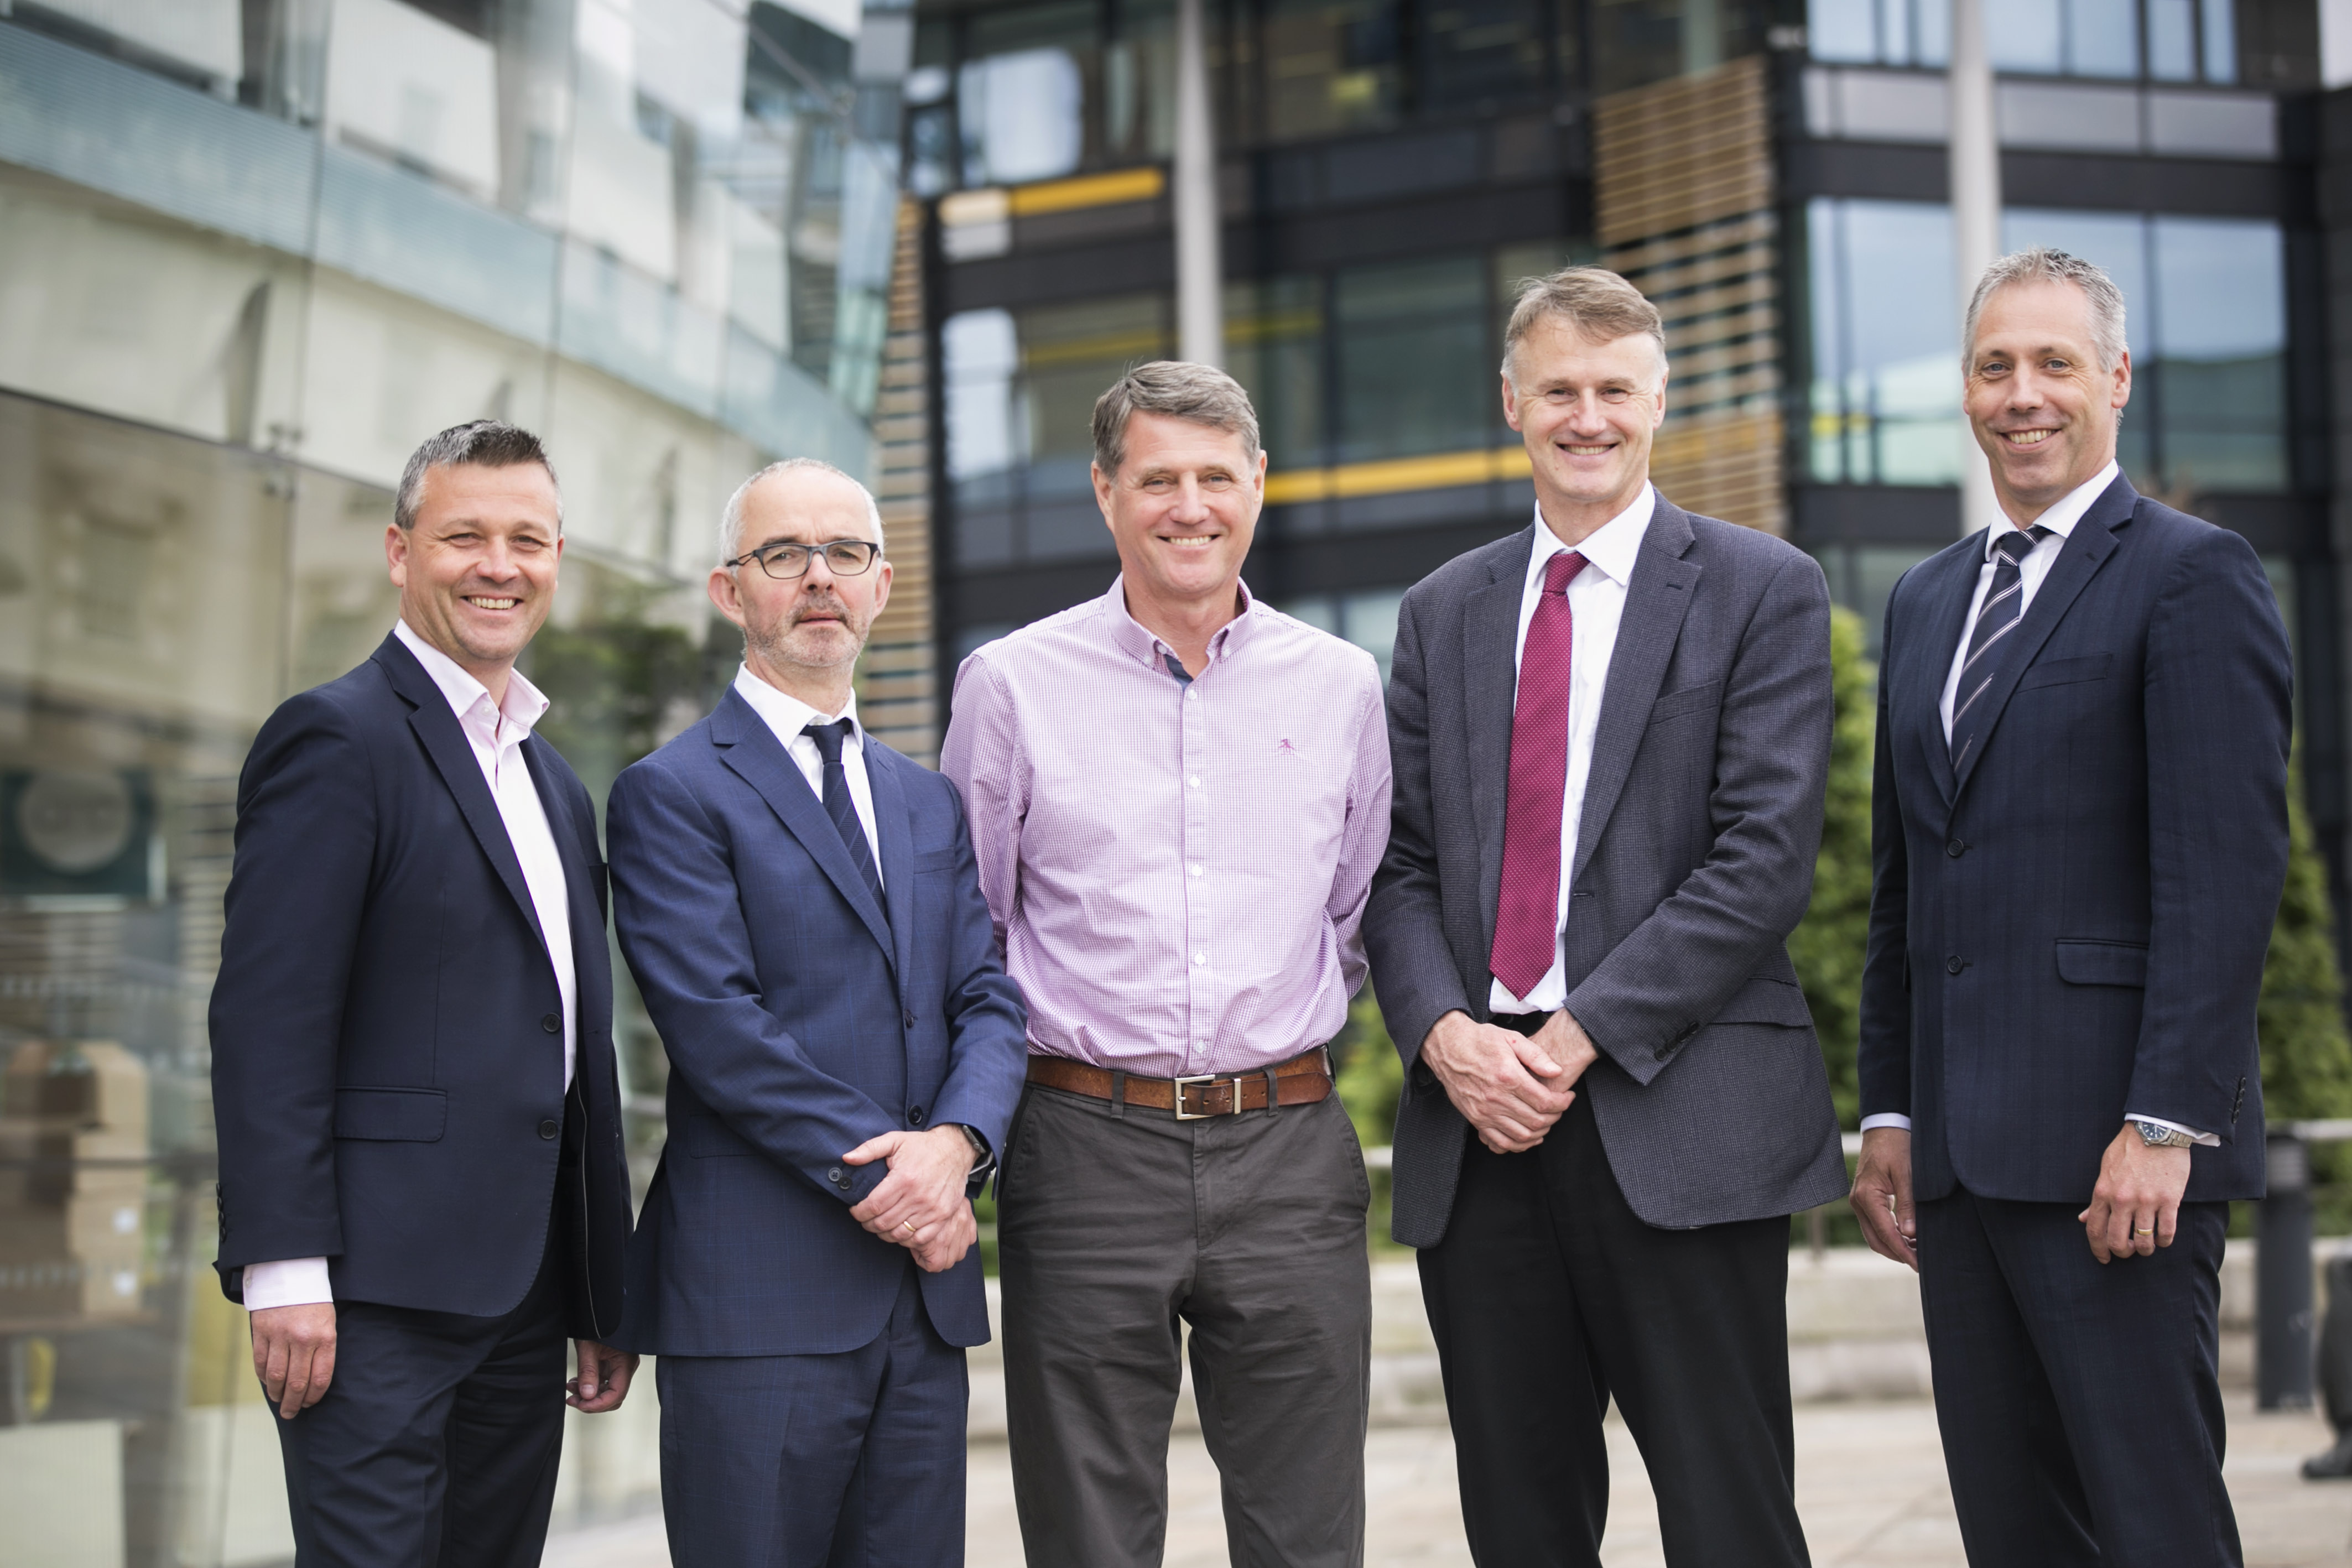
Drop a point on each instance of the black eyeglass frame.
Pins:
(780, 550)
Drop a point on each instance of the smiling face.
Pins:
(1182, 509)
(803, 635)
(1587, 411)
(477, 570)
(2042, 407)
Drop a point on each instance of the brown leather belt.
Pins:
(1303, 1080)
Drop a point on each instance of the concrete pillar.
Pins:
(1200, 282)
(1975, 215)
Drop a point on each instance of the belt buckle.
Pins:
(1182, 1084)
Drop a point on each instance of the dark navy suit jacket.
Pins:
(801, 1019)
(386, 1029)
(2071, 926)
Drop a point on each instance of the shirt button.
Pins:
(551, 1024)
(1194, 781)
(1191, 696)
(1200, 957)
(548, 1128)
(1196, 871)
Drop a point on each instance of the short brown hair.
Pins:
(477, 443)
(1200, 394)
(1592, 299)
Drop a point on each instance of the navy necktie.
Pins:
(841, 808)
(2003, 607)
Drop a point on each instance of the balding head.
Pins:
(776, 491)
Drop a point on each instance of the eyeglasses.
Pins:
(843, 558)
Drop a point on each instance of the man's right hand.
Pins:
(294, 1355)
(1500, 1080)
(1882, 1196)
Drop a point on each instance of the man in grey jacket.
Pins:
(1611, 735)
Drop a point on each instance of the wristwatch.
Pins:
(980, 1150)
(2161, 1137)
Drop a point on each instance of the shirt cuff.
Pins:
(1886, 1119)
(2202, 1140)
(292, 1282)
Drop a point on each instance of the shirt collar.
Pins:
(1132, 638)
(525, 705)
(2060, 518)
(1613, 547)
(787, 715)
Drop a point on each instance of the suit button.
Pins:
(836, 1177)
(914, 1115)
(1953, 965)
(551, 1024)
(1956, 849)
(548, 1128)
(909, 1021)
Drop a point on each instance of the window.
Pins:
(2186, 40)
(1367, 617)
(1274, 347)
(1416, 359)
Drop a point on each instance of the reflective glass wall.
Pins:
(251, 252)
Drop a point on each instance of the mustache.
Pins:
(828, 605)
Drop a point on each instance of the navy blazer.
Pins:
(2073, 927)
(386, 1028)
(801, 1021)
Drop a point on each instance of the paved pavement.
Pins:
(1870, 1486)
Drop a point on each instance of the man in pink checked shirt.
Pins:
(1178, 796)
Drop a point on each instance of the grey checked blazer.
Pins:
(1693, 861)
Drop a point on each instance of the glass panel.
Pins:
(1274, 347)
(2172, 39)
(1021, 117)
(2119, 242)
(1845, 30)
(1416, 362)
(2221, 338)
(1369, 620)
(1482, 55)
(1933, 33)
(1885, 327)
(1330, 65)
(2022, 36)
(2103, 37)
(2220, 40)
(1894, 31)
(1070, 355)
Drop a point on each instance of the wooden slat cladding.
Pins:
(897, 679)
(1683, 200)
(1684, 153)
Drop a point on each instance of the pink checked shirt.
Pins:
(1177, 872)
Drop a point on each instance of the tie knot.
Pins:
(829, 738)
(1560, 569)
(2018, 543)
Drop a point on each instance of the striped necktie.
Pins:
(2003, 607)
(840, 807)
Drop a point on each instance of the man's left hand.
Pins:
(921, 1204)
(2135, 1207)
(603, 1377)
(1564, 1040)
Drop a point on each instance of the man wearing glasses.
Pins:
(800, 909)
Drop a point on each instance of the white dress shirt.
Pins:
(1596, 603)
(2032, 569)
(788, 715)
(496, 731)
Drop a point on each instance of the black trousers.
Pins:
(2080, 1402)
(1549, 1296)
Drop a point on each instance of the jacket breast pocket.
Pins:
(2066, 672)
(1688, 700)
(392, 1115)
(2090, 962)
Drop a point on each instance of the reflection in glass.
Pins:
(2103, 37)
(1482, 55)
(1330, 65)
(1415, 358)
(2172, 39)
(2220, 376)
(1021, 117)
(1274, 347)
(1887, 400)
(2024, 35)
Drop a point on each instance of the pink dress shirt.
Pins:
(1177, 872)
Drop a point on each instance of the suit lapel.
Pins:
(752, 752)
(575, 847)
(453, 755)
(1948, 584)
(1490, 628)
(1655, 602)
(2086, 549)
(890, 826)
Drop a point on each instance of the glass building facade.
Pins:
(251, 252)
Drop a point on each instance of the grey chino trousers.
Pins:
(1119, 1226)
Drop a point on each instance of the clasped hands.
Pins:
(1508, 1086)
(920, 1205)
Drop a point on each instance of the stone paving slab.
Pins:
(1870, 1486)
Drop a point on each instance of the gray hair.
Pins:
(477, 443)
(2043, 265)
(730, 522)
(1594, 301)
(1198, 394)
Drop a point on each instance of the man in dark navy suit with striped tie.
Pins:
(2080, 838)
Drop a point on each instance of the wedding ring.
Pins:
(908, 1226)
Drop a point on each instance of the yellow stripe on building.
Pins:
(1087, 191)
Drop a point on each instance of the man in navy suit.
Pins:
(802, 910)
(2080, 836)
(422, 1186)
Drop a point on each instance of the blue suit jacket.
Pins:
(387, 1043)
(2071, 926)
(800, 1023)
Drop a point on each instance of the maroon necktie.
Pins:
(1526, 921)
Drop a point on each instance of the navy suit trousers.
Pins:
(2079, 1401)
(848, 1461)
